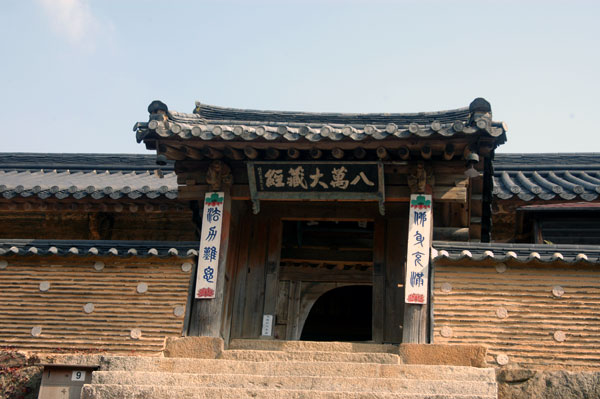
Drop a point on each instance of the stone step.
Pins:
(296, 346)
(167, 392)
(285, 368)
(310, 356)
(346, 383)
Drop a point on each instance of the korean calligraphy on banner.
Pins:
(210, 244)
(418, 250)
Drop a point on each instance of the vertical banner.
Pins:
(210, 245)
(418, 249)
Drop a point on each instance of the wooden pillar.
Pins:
(378, 281)
(415, 315)
(207, 314)
(395, 270)
(272, 269)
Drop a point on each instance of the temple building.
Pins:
(287, 226)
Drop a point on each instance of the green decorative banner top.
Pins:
(214, 199)
(420, 202)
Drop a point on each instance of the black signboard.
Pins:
(316, 181)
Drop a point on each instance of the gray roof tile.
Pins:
(209, 122)
(84, 175)
(525, 253)
(181, 249)
(547, 176)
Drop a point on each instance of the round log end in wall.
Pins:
(186, 267)
(135, 333)
(99, 266)
(502, 313)
(44, 286)
(446, 332)
(88, 307)
(502, 359)
(560, 336)
(446, 287)
(142, 288)
(36, 331)
(558, 291)
(179, 310)
(3, 264)
(500, 267)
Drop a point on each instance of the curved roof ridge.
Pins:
(213, 112)
(80, 161)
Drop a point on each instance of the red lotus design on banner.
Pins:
(205, 293)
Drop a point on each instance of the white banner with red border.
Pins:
(210, 245)
(418, 250)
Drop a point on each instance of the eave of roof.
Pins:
(521, 253)
(81, 176)
(163, 249)
(547, 176)
(210, 123)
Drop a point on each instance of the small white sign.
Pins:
(210, 245)
(418, 250)
(267, 325)
(78, 375)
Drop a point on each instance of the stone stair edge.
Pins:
(307, 362)
(255, 392)
(308, 376)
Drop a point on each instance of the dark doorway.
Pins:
(342, 314)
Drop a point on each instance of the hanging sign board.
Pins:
(210, 245)
(361, 181)
(418, 249)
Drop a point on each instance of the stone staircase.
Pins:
(288, 369)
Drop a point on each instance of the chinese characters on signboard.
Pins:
(210, 243)
(316, 181)
(419, 241)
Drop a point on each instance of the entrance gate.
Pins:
(342, 314)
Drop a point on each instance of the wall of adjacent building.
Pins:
(92, 304)
(516, 314)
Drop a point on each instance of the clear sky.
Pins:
(75, 75)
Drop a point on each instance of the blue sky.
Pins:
(76, 74)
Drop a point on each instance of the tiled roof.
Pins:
(85, 175)
(501, 252)
(547, 176)
(180, 249)
(216, 123)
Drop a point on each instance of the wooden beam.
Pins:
(451, 233)
(359, 153)
(194, 153)
(315, 153)
(211, 153)
(319, 274)
(337, 153)
(272, 153)
(234, 154)
(404, 153)
(426, 152)
(293, 153)
(449, 151)
(250, 152)
(171, 153)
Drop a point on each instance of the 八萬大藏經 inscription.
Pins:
(316, 181)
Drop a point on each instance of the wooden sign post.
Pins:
(210, 245)
(207, 309)
(420, 222)
(418, 249)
